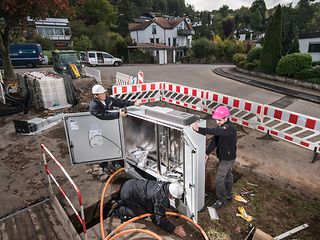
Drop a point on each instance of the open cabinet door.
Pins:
(194, 172)
(91, 140)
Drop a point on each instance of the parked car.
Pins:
(95, 58)
(28, 54)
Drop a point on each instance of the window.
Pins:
(314, 48)
(48, 31)
(154, 29)
(40, 31)
(105, 55)
(169, 42)
(157, 40)
(58, 31)
(92, 55)
(151, 40)
(67, 31)
(174, 42)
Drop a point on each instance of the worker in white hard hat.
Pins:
(139, 196)
(100, 107)
(101, 104)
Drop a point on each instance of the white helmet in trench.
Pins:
(96, 89)
(176, 190)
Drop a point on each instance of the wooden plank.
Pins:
(59, 221)
(4, 235)
(41, 224)
(11, 229)
(25, 226)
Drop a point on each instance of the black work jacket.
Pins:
(149, 197)
(101, 111)
(224, 140)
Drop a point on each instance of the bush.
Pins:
(238, 57)
(293, 63)
(202, 48)
(254, 54)
(316, 63)
(82, 43)
(242, 64)
(308, 73)
(250, 66)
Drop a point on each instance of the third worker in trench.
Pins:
(225, 142)
(140, 196)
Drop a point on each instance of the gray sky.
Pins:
(233, 4)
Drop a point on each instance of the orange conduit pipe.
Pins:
(150, 233)
(103, 236)
(109, 237)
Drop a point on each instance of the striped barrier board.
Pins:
(293, 127)
(242, 111)
(143, 93)
(183, 96)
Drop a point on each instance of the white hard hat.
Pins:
(96, 89)
(176, 190)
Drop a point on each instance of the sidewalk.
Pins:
(275, 86)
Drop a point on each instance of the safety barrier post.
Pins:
(81, 217)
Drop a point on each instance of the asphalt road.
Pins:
(201, 76)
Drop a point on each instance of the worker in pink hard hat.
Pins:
(225, 143)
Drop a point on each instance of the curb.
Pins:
(282, 90)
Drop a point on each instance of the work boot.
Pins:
(114, 206)
(218, 204)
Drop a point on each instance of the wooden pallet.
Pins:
(42, 221)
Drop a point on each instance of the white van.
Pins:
(102, 58)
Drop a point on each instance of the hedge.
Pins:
(293, 63)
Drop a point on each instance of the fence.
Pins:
(92, 72)
(290, 126)
(50, 176)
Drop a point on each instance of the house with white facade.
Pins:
(56, 29)
(173, 32)
(310, 43)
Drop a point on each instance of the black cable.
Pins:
(97, 135)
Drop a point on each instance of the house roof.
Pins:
(309, 35)
(151, 46)
(165, 23)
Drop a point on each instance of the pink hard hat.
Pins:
(221, 112)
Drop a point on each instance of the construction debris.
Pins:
(292, 231)
(213, 213)
(260, 235)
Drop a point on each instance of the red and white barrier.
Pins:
(50, 176)
(183, 96)
(242, 111)
(140, 77)
(143, 93)
(293, 127)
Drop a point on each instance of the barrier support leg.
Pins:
(315, 155)
(267, 136)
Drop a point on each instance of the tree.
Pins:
(82, 43)
(272, 47)
(202, 48)
(294, 48)
(256, 20)
(94, 11)
(228, 27)
(13, 21)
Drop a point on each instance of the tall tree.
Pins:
(272, 47)
(258, 15)
(228, 26)
(13, 21)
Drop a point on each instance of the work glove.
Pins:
(239, 198)
(243, 214)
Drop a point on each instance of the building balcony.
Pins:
(185, 32)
